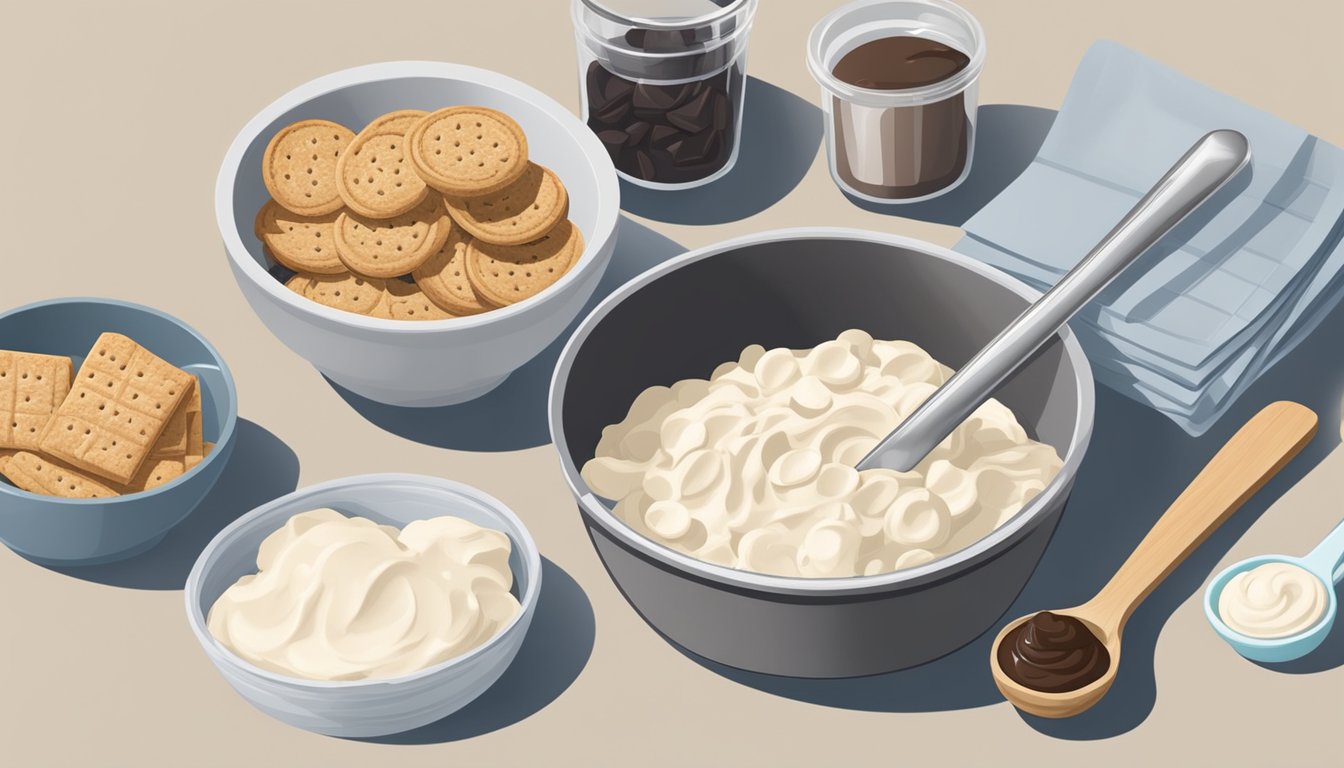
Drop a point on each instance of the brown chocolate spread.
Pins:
(1053, 653)
(926, 146)
(901, 61)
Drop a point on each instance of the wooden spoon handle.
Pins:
(1240, 468)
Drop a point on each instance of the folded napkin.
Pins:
(1188, 327)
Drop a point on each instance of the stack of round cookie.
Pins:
(420, 216)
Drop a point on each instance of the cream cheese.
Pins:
(753, 468)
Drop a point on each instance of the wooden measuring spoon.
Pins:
(1241, 467)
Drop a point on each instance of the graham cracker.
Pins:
(206, 448)
(173, 442)
(5, 455)
(37, 474)
(31, 387)
(155, 472)
(117, 409)
(195, 426)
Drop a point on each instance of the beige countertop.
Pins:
(117, 116)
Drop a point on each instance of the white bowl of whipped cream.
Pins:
(708, 415)
(368, 605)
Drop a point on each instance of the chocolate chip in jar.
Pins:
(665, 133)
(661, 40)
(662, 84)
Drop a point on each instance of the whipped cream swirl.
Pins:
(754, 468)
(1273, 600)
(344, 598)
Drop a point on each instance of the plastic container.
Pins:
(898, 145)
(662, 83)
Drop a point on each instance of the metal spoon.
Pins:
(1244, 464)
(1204, 169)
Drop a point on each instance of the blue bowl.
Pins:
(90, 531)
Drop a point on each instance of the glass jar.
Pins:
(662, 83)
(888, 141)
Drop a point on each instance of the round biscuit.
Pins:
(521, 212)
(374, 178)
(302, 243)
(348, 292)
(405, 301)
(401, 120)
(299, 166)
(444, 279)
(507, 274)
(300, 284)
(465, 151)
(392, 247)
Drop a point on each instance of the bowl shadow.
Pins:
(513, 415)
(261, 468)
(555, 651)
(781, 133)
(1138, 462)
(1007, 138)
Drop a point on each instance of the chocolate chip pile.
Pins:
(668, 134)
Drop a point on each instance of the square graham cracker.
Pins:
(118, 406)
(196, 425)
(31, 387)
(36, 474)
(192, 461)
(174, 442)
(155, 472)
(44, 475)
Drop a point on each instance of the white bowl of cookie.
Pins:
(417, 230)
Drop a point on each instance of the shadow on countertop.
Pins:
(1137, 464)
(261, 468)
(780, 136)
(1007, 137)
(513, 416)
(553, 654)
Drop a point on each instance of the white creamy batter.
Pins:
(753, 469)
(343, 598)
(1272, 600)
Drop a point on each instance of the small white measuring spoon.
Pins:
(1323, 563)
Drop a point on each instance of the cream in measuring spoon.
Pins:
(1273, 600)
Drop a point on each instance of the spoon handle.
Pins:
(1202, 171)
(1240, 468)
(1328, 556)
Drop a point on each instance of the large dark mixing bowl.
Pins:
(797, 288)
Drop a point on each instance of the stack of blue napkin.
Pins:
(1222, 297)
